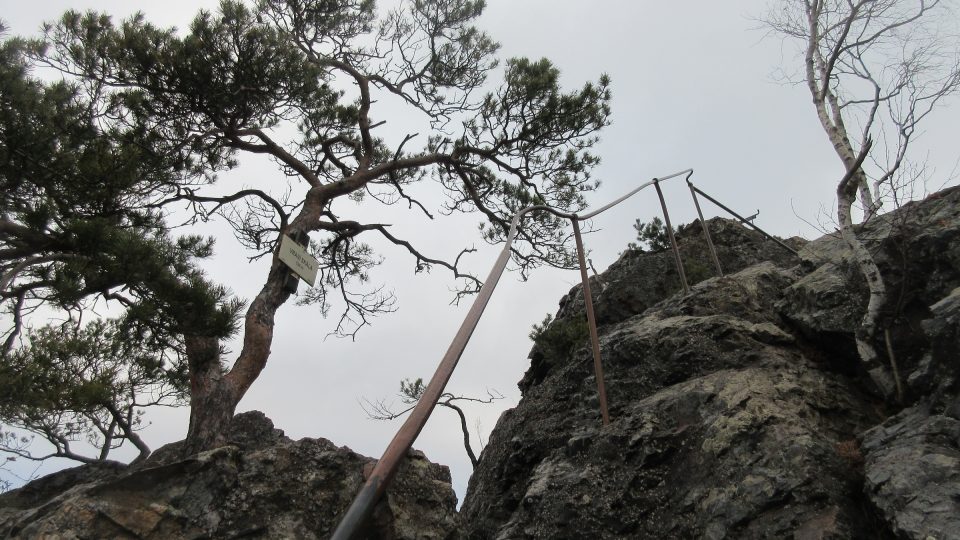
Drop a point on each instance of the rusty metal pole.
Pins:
(706, 231)
(591, 322)
(386, 467)
(673, 239)
(383, 472)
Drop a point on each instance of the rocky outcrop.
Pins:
(722, 428)
(913, 473)
(913, 459)
(917, 249)
(641, 279)
(740, 410)
(620, 294)
(262, 485)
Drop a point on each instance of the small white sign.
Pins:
(302, 263)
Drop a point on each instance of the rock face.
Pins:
(740, 410)
(263, 485)
(620, 294)
(913, 459)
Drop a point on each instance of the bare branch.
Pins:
(410, 393)
(423, 263)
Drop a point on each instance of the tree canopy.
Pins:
(79, 230)
(302, 82)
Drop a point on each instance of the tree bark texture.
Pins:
(830, 114)
(846, 192)
(211, 403)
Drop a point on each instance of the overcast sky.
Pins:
(694, 86)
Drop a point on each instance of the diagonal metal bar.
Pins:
(592, 323)
(673, 239)
(742, 219)
(386, 467)
(706, 230)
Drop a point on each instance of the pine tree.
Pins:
(79, 227)
(302, 82)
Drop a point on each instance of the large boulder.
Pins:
(913, 473)
(262, 485)
(721, 428)
(640, 279)
(913, 458)
(741, 409)
(917, 249)
(618, 294)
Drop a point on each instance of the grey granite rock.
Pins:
(721, 428)
(741, 410)
(262, 486)
(913, 473)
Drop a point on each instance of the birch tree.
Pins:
(875, 69)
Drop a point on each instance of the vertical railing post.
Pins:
(673, 239)
(591, 322)
(706, 231)
(379, 478)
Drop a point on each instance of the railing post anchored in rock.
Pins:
(591, 322)
(706, 230)
(378, 479)
(673, 238)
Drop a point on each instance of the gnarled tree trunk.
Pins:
(214, 391)
(211, 404)
(819, 77)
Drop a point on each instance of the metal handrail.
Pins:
(386, 467)
(673, 238)
(694, 190)
(591, 324)
(706, 230)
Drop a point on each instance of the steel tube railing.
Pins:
(673, 239)
(742, 219)
(592, 324)
(386, 467)
(706, 230)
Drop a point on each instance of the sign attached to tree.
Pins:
(297, 258)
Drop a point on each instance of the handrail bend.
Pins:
(386, 467)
